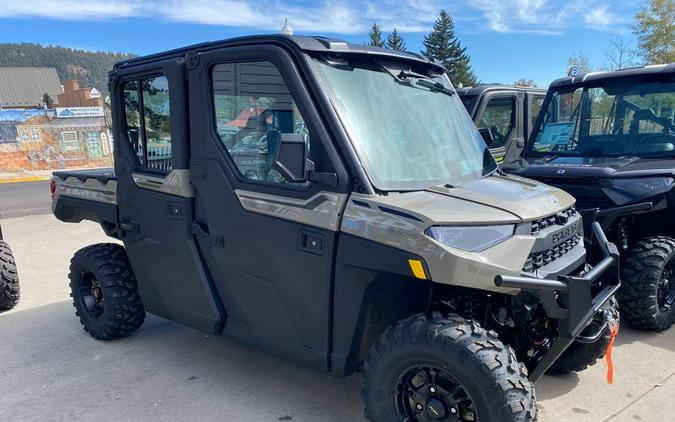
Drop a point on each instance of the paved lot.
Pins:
(50, 369)
(26, 198)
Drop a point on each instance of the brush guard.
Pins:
(573, 300)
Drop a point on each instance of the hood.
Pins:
(492, 200)
(523, 198)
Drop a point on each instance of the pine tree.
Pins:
(442, 44)
(395, 41)
(375, 35)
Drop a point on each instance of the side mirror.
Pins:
(290, 158)
(487, 135)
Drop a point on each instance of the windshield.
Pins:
(619, 118)
(409, 131)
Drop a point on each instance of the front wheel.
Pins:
(428, 368)
(647, 296)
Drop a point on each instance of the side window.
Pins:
(253, 107)
(500, 116)
(148, 122)
(535, 108)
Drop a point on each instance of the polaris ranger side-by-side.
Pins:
(321, 204)
(504, 116)
(609, 140)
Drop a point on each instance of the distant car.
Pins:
(9, 279)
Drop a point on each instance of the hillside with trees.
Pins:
(88, 67)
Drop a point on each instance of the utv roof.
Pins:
(661, 69)
(304, 43)
(480, 89)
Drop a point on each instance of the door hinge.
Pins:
(201, 232)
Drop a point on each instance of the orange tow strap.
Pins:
(614, 330)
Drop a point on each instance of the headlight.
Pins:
(470, 238)
(623, 191)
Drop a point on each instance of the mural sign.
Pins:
(79, 112)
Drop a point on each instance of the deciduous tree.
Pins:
(655, 31)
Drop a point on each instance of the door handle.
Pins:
(129, 226)
(311, 242)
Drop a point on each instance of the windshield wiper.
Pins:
(435, 86)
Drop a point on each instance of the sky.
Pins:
(506, 39)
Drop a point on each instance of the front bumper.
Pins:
(572, 300)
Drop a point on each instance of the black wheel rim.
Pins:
(91, 293)
(426, 393)
(665, 295)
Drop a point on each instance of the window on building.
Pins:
(500, 117)
(35, 135)
(69, 142)
(148, 122)
(93, 144)
(24, 135)
(253, 107)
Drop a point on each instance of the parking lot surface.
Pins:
(51, 370)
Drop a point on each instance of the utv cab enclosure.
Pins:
(316, 200)
(609, 140)
(504, 115)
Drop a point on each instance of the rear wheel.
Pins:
(105, 292)
(647, 298)
(9, 279)
(428, 368)
(580, 356)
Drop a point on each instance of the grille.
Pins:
(556, 219)
(540, 259)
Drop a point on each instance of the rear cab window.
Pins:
(148, 123)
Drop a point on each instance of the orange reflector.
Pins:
(417, 269)
(608, 354)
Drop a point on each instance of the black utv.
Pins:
(609, 140)
(334, 204)
(9, 279)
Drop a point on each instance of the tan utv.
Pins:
(317, 200)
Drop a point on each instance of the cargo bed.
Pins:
(86, 195)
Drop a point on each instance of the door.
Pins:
(269, 244)
(499, 113)
(155, 197)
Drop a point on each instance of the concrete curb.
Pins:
(23, 179)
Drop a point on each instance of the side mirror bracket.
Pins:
(290, 160)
